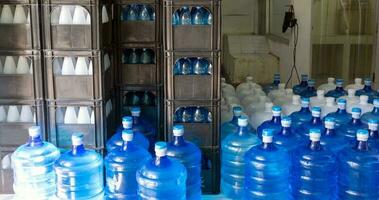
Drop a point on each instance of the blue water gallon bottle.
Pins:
(267, 170)
(298, 89)
(162, 178)
(338, 92)
(315, 123)
(311, 90)
(121, 165)
(367, 90)
(34, 176)
(116, 140)
(314, 170)
(358, 169)
(79, 172)
(303, 115)
(330, 138)
(190, 156)
(274, 123)
(374, 114)
(233, 149)
(287, 138)
(349, 130)
(341, 116)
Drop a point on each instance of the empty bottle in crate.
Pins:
(192, 114)
(267, 170)
(330, 138)
(79, 172)
(358, 170)
(138, 56)
(162, 178)
(121, 165)
(314, 123)
(338, 91)
(374, 114)
(34, 176)
(197, 15)
(314, 170)
(274, 85)
(116, 140)
(274, 124)
(341, 116)
(311, 90)
(233, 149)
(303, 115)
(190, 156)
(349, 130)
(328, 86)
(367, 90)
(249, 84)
(138, 12)
(298, 89)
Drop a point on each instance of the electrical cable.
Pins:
(295, 31)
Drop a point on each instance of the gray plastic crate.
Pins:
(16, 116)
(23, 79)
(95, 33)
(21, 35)
(93, 86)
(210, 172)
(191, 37)
(6, 172)
(62, 125)
(192, 87)
(202, 134)
(140, 74)
(138, 31)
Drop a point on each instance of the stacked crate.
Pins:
(194, 90)
(139, 63)
(21, 91)
(79, 70)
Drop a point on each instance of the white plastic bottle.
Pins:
(284, 99)
(330, 85)
(281, 91)
(363, 104)
(357, 85)
(257, 106)
(318, 100)
(351, 99)
(293, 106)
(260, 116)
(329, 107)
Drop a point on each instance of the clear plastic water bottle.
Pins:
(298, 89)
(338, 91)
(116, 140)
(190, 156)
(274, 85)
(374, 114)
(303, 115)
(349, 130)
(358, 172)
(367, 90)
(247, 85)
(274, 124)
(185, 16)
(144, 14)
(319, 100)
(314, 123)
(373, 133)
(198, 16)
(341, 116)
(233, 149)
(311, 90)
(330, 138)
(262, 115)
(132, 13)
(267, 170)
(200, 66)
(183, 67)
(328, 86)
(133, 57)
(79, 172)
(121, 165)
(329, 107)
(176, 18)
(34, 176)
(293, 106)
(351, 99)
(357, 85)
(363, 104)
(314, 171)
(162, 178)
(287, 138)
(146, 56)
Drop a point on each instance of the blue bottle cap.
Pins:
(267, 135)
(362, 135)
(178, 130)
(305, 100)
(330, 122)
(127, 119)
(373, 121)
(316, 111)
(314, 135)
(34, 131)
(373, 124)
(77, 138)
(330, 119)
(276, 108)
(242, 121)
(339, 82)
(286, 121)
(341, 101)
(160, 149)
(356, 110)
(376, 103)
(368, 81)
(136, 111)
(127, 122)
(127, 135)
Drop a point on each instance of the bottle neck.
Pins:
(341, 111)
(315, 145)
(316, 120)
(356, 121)
(127, 145)
(375, 110)
(305, 109)
(330, 132)
(362, 145)
(242, 130)
(35, 141)
(339, 89)
(235, 120)
(286, 131)
(136, 120)
(178, 140)
(276, 119)
(268, 146)
(78, 149)
(276, 82)
(159, 160)
(367, 87)
(374, 134)
(304, 83)
(311, 88)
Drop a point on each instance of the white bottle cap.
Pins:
(281, 86)
(362, 135)
(316, 111)
(320, 93)
(314, 135)
(77, 139)
(242, 121)
(330, 122)
(331, 80)
(249, 78)
(136, 111)
(373, 125)
(34, 131)
(363, 99)
(286, 122)
(351, 92)
(356, 113)
(160, 149)
(267, 135)
(289, 91)
(358, 81)
(127, 122)
(223, 80)
(127, 135)
(329, 101)
(178, 130)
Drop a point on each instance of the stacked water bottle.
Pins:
(21, 97)
(310, 147)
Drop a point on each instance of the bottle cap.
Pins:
(351, 92)
(311, 82)
(304, 77)
(136, 111)
(286, 121)
(289, 91)
(358, 81)
(249, 79)
(376, 103)
(314, 135)
(362, 135)
(127, 135)
(276, 110)
(223, 80)
(339, 82)
(277, 77)
(320, 93)
(305, 102)
(330, 122)
(331, 80)
(281, 86)
(127, 122)
(295, 99)
(267, 135)
(316, 111)
(237, 111)
(373, 124)
(77, 138)
(363, 99)
(330, 101)
(178, 130)
(160, 149)
(34, 131)
(242, 121)
(356, 113)
(341, 104)
(367, 81)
